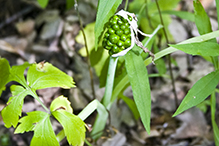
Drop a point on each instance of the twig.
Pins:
(86, 47)
(168, 57)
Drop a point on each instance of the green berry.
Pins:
(123, 27)
(119, 32)
(127, 43)
(109, 43)
(123, 37)
(120, 22)
(121, 48)
(115, 49)
(106, 35)
(127, 25)
(113, 21)
(111, 31)
(114, 38)
(127, 31)
(120, 43)
(115, 27)
(130, 18)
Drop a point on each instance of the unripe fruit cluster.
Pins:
(118, 34)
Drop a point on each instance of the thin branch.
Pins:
(86, 47)
(168, 57)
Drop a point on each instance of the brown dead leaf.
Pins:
(25, 27)
(193, 124)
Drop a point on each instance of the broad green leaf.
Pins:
(138, 78)
(214, 124)
(202, 20)
(17, 73)
(131, 104)
(4, 73)
(43, 3)
(45, 75)
(106, 8)
(40, 123)
(181, 14)
(203, 48)
(87, 111)
(12, 111)
(199, 91)
(73, 127)
(61, 102)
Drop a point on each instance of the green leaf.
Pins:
(45, 75)
(181, 14)
(40, 123)
(4, 75)
(138, 78)
(73, 127)
(202, 20)
(131, 104)
(69, 4)
(106, 8)
(61, 102)
(43, 3)
(203, 24)
(203, 48)
(17, 73)
(87, 111)
(12, 111)
(199, 91)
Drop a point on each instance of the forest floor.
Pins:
(29, 33)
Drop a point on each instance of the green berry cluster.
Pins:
(118, 34)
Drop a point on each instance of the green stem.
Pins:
(215, 127)
(101, 120)
(38, 99)
(110, 82)
(126, 4)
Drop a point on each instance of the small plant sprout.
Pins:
(122, 34)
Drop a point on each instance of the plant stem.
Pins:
(126, 4)
(109, 82)
(38, 99)
(86, 47)
(168, 57)
(101, 118)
